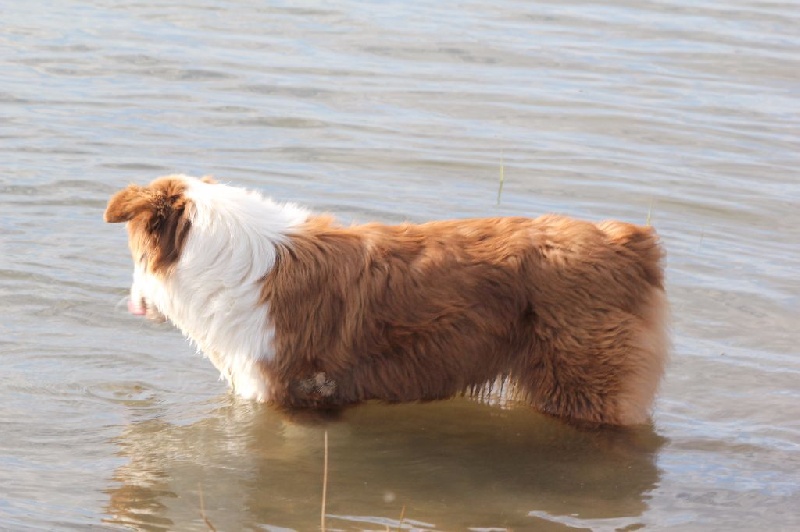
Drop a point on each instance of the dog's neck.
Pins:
(212, 293)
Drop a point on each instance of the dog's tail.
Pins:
(644, 245)
(649, 349)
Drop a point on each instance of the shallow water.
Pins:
(683, 112)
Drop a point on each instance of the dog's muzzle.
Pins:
(138, 305)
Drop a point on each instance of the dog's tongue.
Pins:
(135, 309)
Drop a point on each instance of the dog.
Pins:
(297, 310)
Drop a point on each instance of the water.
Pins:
(684, 111)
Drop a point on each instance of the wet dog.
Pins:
(298, 310)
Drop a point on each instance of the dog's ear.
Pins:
(208, 179)
(126, 204)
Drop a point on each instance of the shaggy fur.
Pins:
(298, 310)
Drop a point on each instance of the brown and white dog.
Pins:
(300, 311)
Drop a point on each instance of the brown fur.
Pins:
(158, 221)
(570, 311)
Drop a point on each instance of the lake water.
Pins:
(683, 112)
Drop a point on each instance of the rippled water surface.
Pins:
(681, 112)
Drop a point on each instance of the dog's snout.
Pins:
(137, 306)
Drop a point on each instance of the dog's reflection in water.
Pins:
(444, 466)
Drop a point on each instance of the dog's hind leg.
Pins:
(608, 373)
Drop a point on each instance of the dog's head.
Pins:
(158, 218)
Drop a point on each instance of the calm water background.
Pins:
(688, 110)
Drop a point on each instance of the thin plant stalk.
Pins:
(203, 509)
(324, 486)
(502, 178)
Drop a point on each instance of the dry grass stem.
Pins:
(203, 509)
(324, 486)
